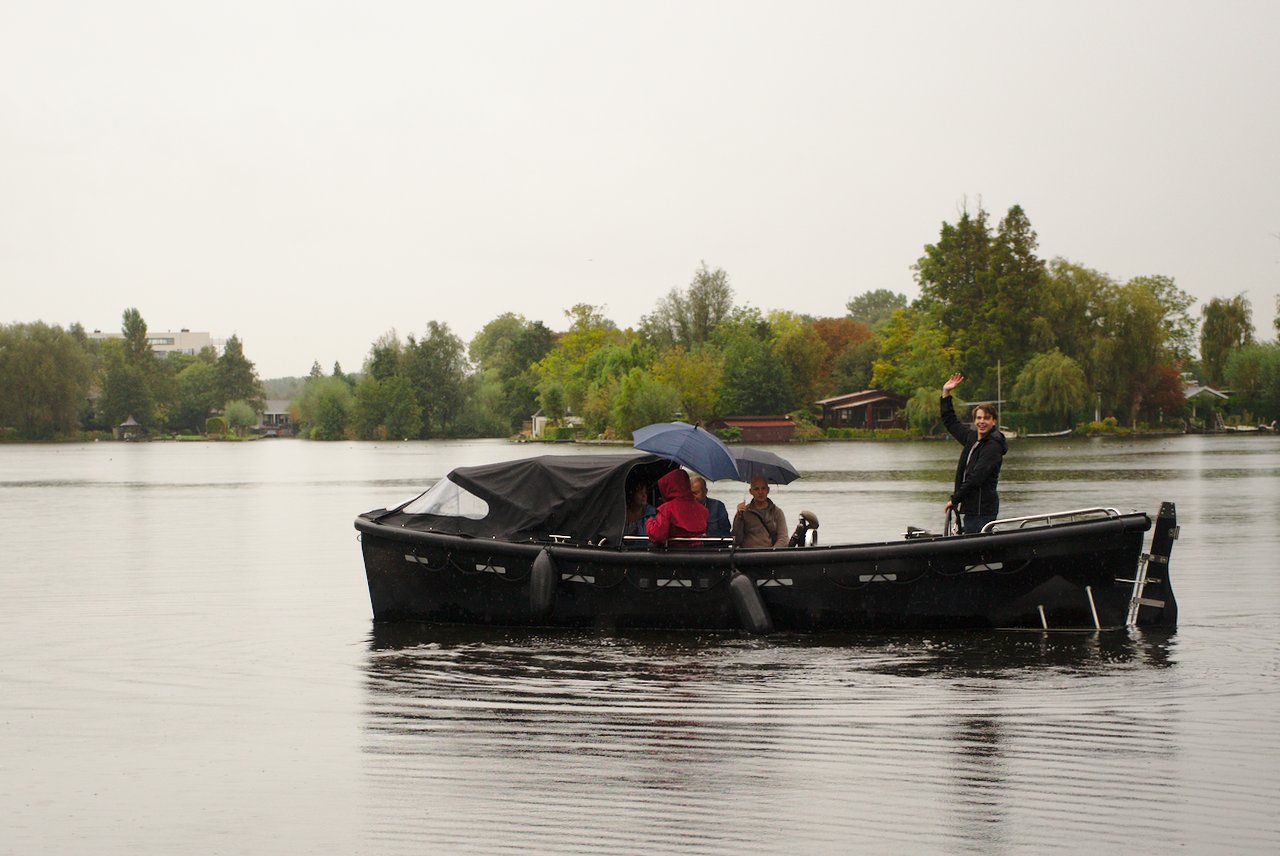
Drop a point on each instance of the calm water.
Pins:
(189, 665)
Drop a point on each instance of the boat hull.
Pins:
(1075, 575)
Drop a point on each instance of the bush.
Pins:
(869, 434)
(563, 432)
(215, 426)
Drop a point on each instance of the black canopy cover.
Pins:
(579, 496)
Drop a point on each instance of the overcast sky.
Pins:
(309, 175)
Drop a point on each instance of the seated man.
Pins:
(760, 523)
(717, 514)
(679, 515)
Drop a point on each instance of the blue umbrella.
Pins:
(758, 463)
(689, 446)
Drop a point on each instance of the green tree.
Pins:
(871, 308)
(137, 344)
(852, 367)
(505, 350)
(1013, 327)
(1076, 298)
(1052, 384)
(237, 377)
(44, 380)
(688, 317)
(129, 372)
(484, 408)
(1180, 327)
(923, 411)
(955, 275)
(754, 380)
(324, 408)
(385, 357)
(199, 394)
(1130, 347)
(914, 354)
(642, 401)
(1253, 373)
(126, 393)
(403, 413)
(385, 409)
(803, 355)
(435, 367)
(696, 376)
(551, 401)
(988, 294)
(565, 365)
(240, 416)
(603, 373)
(1228, 326)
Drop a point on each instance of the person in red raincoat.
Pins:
(679, 515)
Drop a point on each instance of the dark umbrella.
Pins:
(688, 445)
(757, 463)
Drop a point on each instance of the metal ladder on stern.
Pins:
(1166, 532)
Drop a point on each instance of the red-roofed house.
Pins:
(869, 409)
(757, 429)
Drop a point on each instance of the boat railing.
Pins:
(1053, 518)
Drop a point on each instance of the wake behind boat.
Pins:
(539, 542)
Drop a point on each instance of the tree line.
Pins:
(61, 383)
(1056, 341)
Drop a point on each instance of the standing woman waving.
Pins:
(975, 498)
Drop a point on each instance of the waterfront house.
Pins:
(757, 429)
(868, 409)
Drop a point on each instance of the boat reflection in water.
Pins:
(571, 741)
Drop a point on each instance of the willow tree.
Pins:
(44, 380)
(1052, 384)
(1228, 327)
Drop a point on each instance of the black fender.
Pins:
(543, 577)
(750, 607)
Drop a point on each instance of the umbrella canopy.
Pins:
(689, 446)
(757, 463)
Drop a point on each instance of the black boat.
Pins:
(538, 542)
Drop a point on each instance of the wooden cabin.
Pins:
(869, 409)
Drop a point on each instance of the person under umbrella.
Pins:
(760, 523)
(717, 515)
(679, 515)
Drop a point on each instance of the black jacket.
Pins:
(978, 472)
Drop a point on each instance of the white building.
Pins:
(164, 343)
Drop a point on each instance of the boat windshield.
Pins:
(446, 499)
